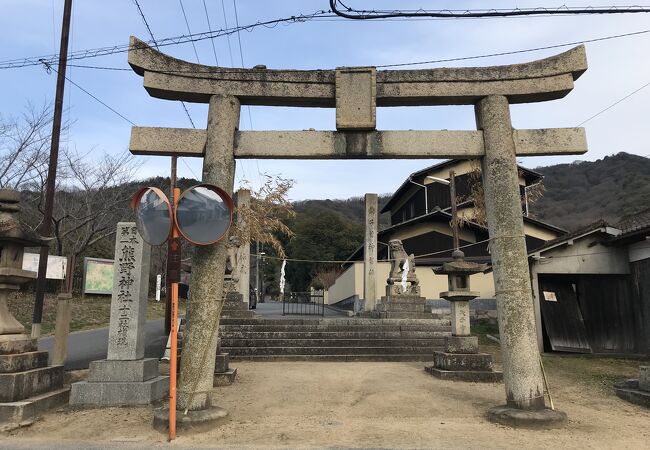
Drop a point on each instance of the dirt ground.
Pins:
(385, 405)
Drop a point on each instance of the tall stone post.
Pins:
(522, 372)
(244, 259)
(370, 253)
(208, 265)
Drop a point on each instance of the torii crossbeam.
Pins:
(355, 93)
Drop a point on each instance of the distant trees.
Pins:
(323, 236)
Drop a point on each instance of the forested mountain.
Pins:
(575, 195)
(582, 192)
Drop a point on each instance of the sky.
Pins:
(617, 67)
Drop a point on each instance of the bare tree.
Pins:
(24, 146)
(94, 197)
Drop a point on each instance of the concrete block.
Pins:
(20, 385)
(25, 409)
(107, 370)
(17, 343)
(221, 363)
(119, 393)
(19, 362)
(477, 376)
(461, 344)
(644, 378)
(225, 378)
(458, 361)
(630, 391)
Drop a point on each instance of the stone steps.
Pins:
(233, 344)
(335, 358)
(349, 339)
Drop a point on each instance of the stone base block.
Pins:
(238, 314)
(225, 378)
(221, 363)
(460, 361)
(466, 375)
(127, 393)
(203, 420)
(20, 362)
(644, 378)
(629, 391)
(17, 343)
(31, 407)
(107, 370)
(527, 418)
(461, 344)
(20, 385)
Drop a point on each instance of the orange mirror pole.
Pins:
(175, 254)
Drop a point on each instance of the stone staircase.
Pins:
(353, 339)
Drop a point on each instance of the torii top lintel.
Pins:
(174, 79)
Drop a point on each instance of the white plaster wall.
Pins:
(639, 251)
(350, 283)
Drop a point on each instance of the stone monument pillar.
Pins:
(125, 377)
(244, 254)
(370, 253)
(27, 384)
(461, 359)
(523, 379)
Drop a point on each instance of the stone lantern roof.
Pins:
(458, 266)
(11, 229)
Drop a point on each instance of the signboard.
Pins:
(56, 265)
(550, 296)
(98, 276)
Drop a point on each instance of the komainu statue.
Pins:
(402, 279)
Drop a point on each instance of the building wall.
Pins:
(580, 258)
(350, 283)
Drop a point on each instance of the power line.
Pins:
(225, 21)
(207, 16)
(153, 40)
(176, 40)
(189, 31)
(436, 61)
(613, 104)
(351, 13)
(514, 52)
(49, 67)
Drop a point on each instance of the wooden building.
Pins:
(420, 216)
(591, 289)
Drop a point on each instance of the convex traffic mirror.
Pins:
(203, 214)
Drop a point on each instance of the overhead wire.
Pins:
(613, 104)
(248, 108)
(356, 14)
(155, 43)
(207, 17)
(189, 31)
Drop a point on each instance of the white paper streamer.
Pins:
(284, 264)
(405, 274)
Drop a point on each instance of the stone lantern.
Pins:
(458, 273)
(27, 384)
(461, 359)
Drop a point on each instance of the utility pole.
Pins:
(454, 213)
(168, 284)
(46, 226)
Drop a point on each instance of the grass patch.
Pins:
(600, 372)
(93, 311)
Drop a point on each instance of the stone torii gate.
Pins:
(355, 93)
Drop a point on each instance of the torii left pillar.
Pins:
(208, 266)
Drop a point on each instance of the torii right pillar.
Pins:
(522, 370)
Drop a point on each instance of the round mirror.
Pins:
(203, 214)
(153, 215)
